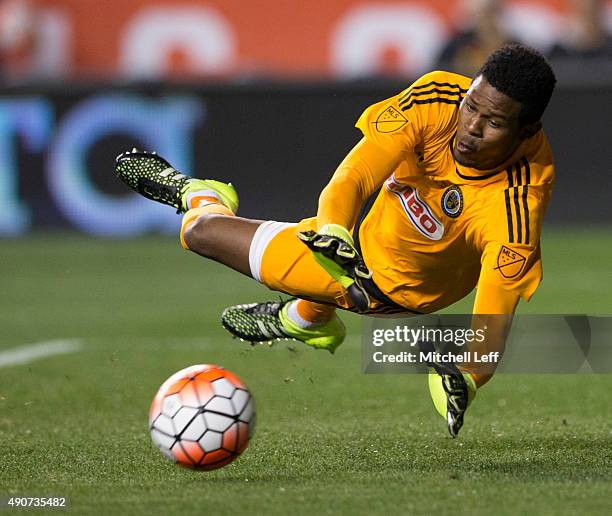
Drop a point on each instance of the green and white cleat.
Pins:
(269, 322)
(451, 392)
(154, 178)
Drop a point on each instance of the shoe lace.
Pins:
(267, 308)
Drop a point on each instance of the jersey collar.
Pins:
(472, 174)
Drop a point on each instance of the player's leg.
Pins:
(223, 238)
(241, 244)
(280, 261)
(232, 241)
(211, 229)
(209, 226)
(238, 243)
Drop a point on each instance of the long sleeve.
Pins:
(391, 130)
(364, 169)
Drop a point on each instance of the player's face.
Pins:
(488, 131)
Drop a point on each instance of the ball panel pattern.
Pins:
(162, 440)
(243, 436)
(220, 405)
(181, 458)
(230, 438)
(211, 441)
(202, 417)
(195, 429)
(164, 424)
(210, 375)
(176, 386)
(217, 456)
(171, 404)
(249, 411)
(203, 389)
(194, 451)
(217, 422)
(239, 400)
(223, 387)
(189, 396)
(183, 418)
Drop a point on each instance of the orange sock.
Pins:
(315, 313)
(191, 216)
(198, 201)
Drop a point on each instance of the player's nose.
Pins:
(474, 127)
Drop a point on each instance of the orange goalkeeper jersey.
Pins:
(437, 228)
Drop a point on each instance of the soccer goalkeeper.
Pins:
(446, 191)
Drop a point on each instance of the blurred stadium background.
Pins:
(262, 93)
(265, 94)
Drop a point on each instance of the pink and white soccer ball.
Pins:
(202, 417)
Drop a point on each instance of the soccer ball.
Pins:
(202, 417)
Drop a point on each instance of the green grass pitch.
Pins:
(329, 438)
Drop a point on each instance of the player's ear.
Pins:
(529, 130)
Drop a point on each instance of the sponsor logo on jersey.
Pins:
(509, 263)
(417, 210)
(452, 201)
(390, 120)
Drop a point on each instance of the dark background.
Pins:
(280, 143)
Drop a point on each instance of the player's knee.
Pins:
(198, 235)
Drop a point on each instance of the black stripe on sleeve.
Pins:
(519, 182)
(510, 179)
(527, 170)
(432, 101)
(433, 83)
(519, 178)
(428, 92)
(508, 205)
(526, 210)
(509, 215)
(525, 195)
(519, 225)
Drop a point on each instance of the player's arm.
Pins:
(388, 138)
(391, 128)
(452, 389)
(511, 268)
(493, 311)
(509, 272)
(364, 170)
(511, 264)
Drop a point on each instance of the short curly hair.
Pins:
(523, 74)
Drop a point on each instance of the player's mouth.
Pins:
(465, 148)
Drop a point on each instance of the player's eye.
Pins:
(494, 124)
(470, 107)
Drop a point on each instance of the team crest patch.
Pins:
(390, 120)
(452, 201)
(509, 263)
